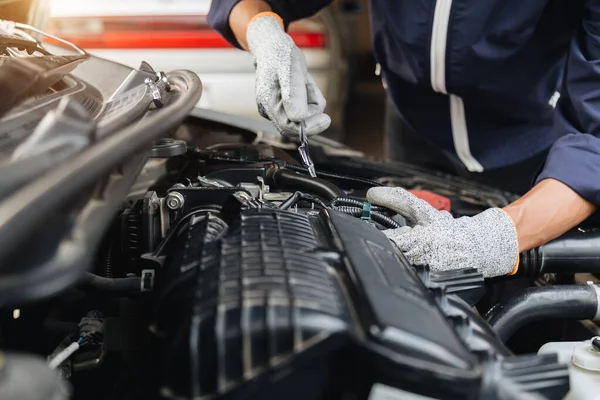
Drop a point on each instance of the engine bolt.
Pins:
(175, 200)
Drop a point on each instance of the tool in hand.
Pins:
(304, 153)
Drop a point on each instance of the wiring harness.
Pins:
(89, 332)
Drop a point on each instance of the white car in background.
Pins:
(174, 34)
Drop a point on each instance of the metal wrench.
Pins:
(304, 153)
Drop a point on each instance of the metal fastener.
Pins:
(163, 81)
(154, 93)
(175, 200)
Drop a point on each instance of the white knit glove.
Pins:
(286, 93)
(487, 241)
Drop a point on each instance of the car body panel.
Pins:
(227, 73)
(227, 76)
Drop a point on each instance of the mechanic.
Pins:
(477, 80)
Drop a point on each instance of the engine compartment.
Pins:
(235, 275)
(199, 260)
(299, 294)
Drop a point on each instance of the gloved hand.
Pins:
(487, 241)
(285, 92)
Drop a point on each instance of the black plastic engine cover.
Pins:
(288, 305)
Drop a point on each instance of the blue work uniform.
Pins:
(493, 82)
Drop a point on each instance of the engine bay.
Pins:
(178, 253)
(236, 275)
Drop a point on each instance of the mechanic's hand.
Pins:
(487, 241)
(285, 92)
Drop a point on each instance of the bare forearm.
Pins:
(547, 211)
(242, 14)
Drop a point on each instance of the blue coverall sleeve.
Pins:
(574, 159)
(288, 10)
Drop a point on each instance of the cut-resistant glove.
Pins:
(286, 93)
(487, 241)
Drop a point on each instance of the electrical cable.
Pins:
(290, 201)
(348, 201)
(64, 354)
(375, 216)
(297, 197)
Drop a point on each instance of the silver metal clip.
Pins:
(304, 153)
(154, 93)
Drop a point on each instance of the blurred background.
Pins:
(174, 34)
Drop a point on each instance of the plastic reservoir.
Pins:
(584, 367)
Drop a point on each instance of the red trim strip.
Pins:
(176, 39)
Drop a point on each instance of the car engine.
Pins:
(307, 300)
(268, 283)
(155, 250)
(238, 276)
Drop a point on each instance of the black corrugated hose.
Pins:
(348, 201)
(108, 260)
(354, 207)
(375, 216)
(576, 302)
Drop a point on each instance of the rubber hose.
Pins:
(375, 216)
(174, 230)
(285, 179)
(480, 328)
(576, 302)
(120, 285)
(364, 181)
(577, 251)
